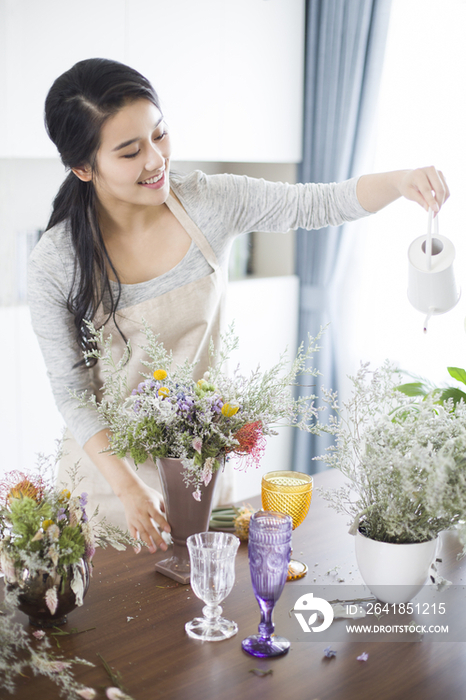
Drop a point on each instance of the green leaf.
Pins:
(457, 373)
(413, 389)
(452, 393)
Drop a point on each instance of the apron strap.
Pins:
(193, 230)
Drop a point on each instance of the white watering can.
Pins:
(431, 281)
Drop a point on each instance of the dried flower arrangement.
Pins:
(170, 415)
(45, 530)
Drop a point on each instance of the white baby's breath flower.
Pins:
(404, 460)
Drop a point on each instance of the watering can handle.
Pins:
(429, 236)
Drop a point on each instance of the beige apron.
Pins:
(185, 320)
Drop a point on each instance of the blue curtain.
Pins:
(345, 44)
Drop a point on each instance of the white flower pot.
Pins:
(394, 573)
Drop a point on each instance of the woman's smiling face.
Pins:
(134, 157)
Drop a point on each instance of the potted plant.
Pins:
(404, 457)
(189, 428)
(47, 542)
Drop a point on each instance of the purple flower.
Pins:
(329, 652)
(363, 657)
(61, 515)
(89, 552)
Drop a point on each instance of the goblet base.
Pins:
(211, 630)
(296, 569)
(256, 645)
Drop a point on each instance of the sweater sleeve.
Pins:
(232, 204)
(49, 280)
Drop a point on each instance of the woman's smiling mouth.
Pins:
(155, 181)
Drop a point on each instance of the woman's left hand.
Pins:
(427, 186)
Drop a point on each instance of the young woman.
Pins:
(126, 241)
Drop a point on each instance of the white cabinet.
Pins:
(229, 72)
(41, 39)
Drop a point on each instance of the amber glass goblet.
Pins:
(290, 493)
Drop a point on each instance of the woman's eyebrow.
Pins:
(138, 138)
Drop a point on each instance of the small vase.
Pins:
(32, 590)
(394, 573)
(185, 515)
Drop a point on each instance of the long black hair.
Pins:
(77, 106)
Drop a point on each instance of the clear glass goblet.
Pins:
(212, 556)
(269, 553)
(288, 492)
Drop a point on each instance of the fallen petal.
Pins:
(329, 652)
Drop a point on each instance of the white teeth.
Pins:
(152, 180)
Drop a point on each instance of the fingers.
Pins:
(428, 187)
(148, 529)
(145, 519)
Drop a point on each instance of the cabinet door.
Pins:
(229, 74)
(40, 39)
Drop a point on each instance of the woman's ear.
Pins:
(84, 173)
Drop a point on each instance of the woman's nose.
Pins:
(155, 159)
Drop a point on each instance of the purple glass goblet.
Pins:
(269, 554)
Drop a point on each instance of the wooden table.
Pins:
(139, 618)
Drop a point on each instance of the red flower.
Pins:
(251, 444)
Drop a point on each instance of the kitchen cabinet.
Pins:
(229, 72)
(40, 40)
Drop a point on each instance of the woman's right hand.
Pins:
(143, 510)
(143, 505)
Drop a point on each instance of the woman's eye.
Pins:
(132, 155)
(160, 136)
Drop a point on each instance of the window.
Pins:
(421, 121)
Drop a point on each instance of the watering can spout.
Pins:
(431, 311)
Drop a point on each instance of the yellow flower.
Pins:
(229, 409)
(65, 495)
(164, 392)
(46, 524)
(160, 374)
(201, 383)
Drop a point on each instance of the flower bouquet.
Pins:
(404, 457)
(48, 542)
(200, 422)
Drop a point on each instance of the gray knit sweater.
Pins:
(223, 207)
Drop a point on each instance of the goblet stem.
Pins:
(266, 625)
(211, 613)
